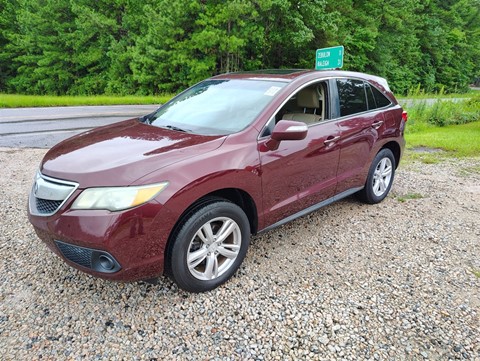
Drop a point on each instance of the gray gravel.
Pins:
(393, 281)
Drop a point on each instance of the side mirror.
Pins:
(286, 130)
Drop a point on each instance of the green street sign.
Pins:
(329, 58)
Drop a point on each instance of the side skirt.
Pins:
(311, 209)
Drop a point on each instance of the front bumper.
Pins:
(122, 246)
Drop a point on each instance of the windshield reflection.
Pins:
(217, 107)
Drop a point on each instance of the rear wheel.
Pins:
(210, 246)
(380, 178)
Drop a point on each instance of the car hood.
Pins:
(120, 154)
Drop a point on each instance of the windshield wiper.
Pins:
(172, 127)
(147, 119)
(144, 119)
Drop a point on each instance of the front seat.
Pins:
(308, 100)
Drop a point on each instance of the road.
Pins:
(45, 127)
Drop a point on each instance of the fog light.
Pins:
(106, 262)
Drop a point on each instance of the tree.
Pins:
(128, 46)
(8, 27)
(397, 52)
(39, 49)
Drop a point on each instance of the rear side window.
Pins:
(380, 99)
(371, 101)
(352, 96)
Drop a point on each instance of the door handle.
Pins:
(378, 124)
(330, 140)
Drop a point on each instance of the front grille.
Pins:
(45, 206)
(78, 255)
(49, 194)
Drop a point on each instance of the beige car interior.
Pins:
(310, 106)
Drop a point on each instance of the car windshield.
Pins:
(217, 107)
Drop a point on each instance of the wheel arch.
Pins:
(396, 150)
(234, 195)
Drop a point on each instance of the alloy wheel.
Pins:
(382, 176)
(214, 248)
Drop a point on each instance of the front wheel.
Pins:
(380, 177)
(210, 246)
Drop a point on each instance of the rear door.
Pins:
(360, 125)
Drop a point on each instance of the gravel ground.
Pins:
(394, 281)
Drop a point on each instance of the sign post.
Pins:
(329, 58)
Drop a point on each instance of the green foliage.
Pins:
(476, 272)
(450, 43)
(456, 140)
(8, 27)
(445, 112)
(153, 46)
(453, 127)
(39, 47)
(409, 196)
(290, 31)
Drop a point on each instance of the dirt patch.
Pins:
(426, 150)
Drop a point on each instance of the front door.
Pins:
(300, 173)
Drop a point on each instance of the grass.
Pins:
(437, 95)
(475, 272)
(426, 158)
(444, 129)
(409, 196)
(20, 101)
(456, 140)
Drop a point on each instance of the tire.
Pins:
(210, 246)
(380, 178)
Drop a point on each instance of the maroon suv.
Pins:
(181, 190)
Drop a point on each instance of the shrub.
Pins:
(445, 112)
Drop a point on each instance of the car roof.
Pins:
(289, 75)
(267, 74)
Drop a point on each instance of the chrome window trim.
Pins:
(391, 105)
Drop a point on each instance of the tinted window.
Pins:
(352, 98)
(380, 99)
(370, 99)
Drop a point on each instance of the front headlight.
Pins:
(117, 198)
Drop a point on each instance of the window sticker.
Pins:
(272, 91)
